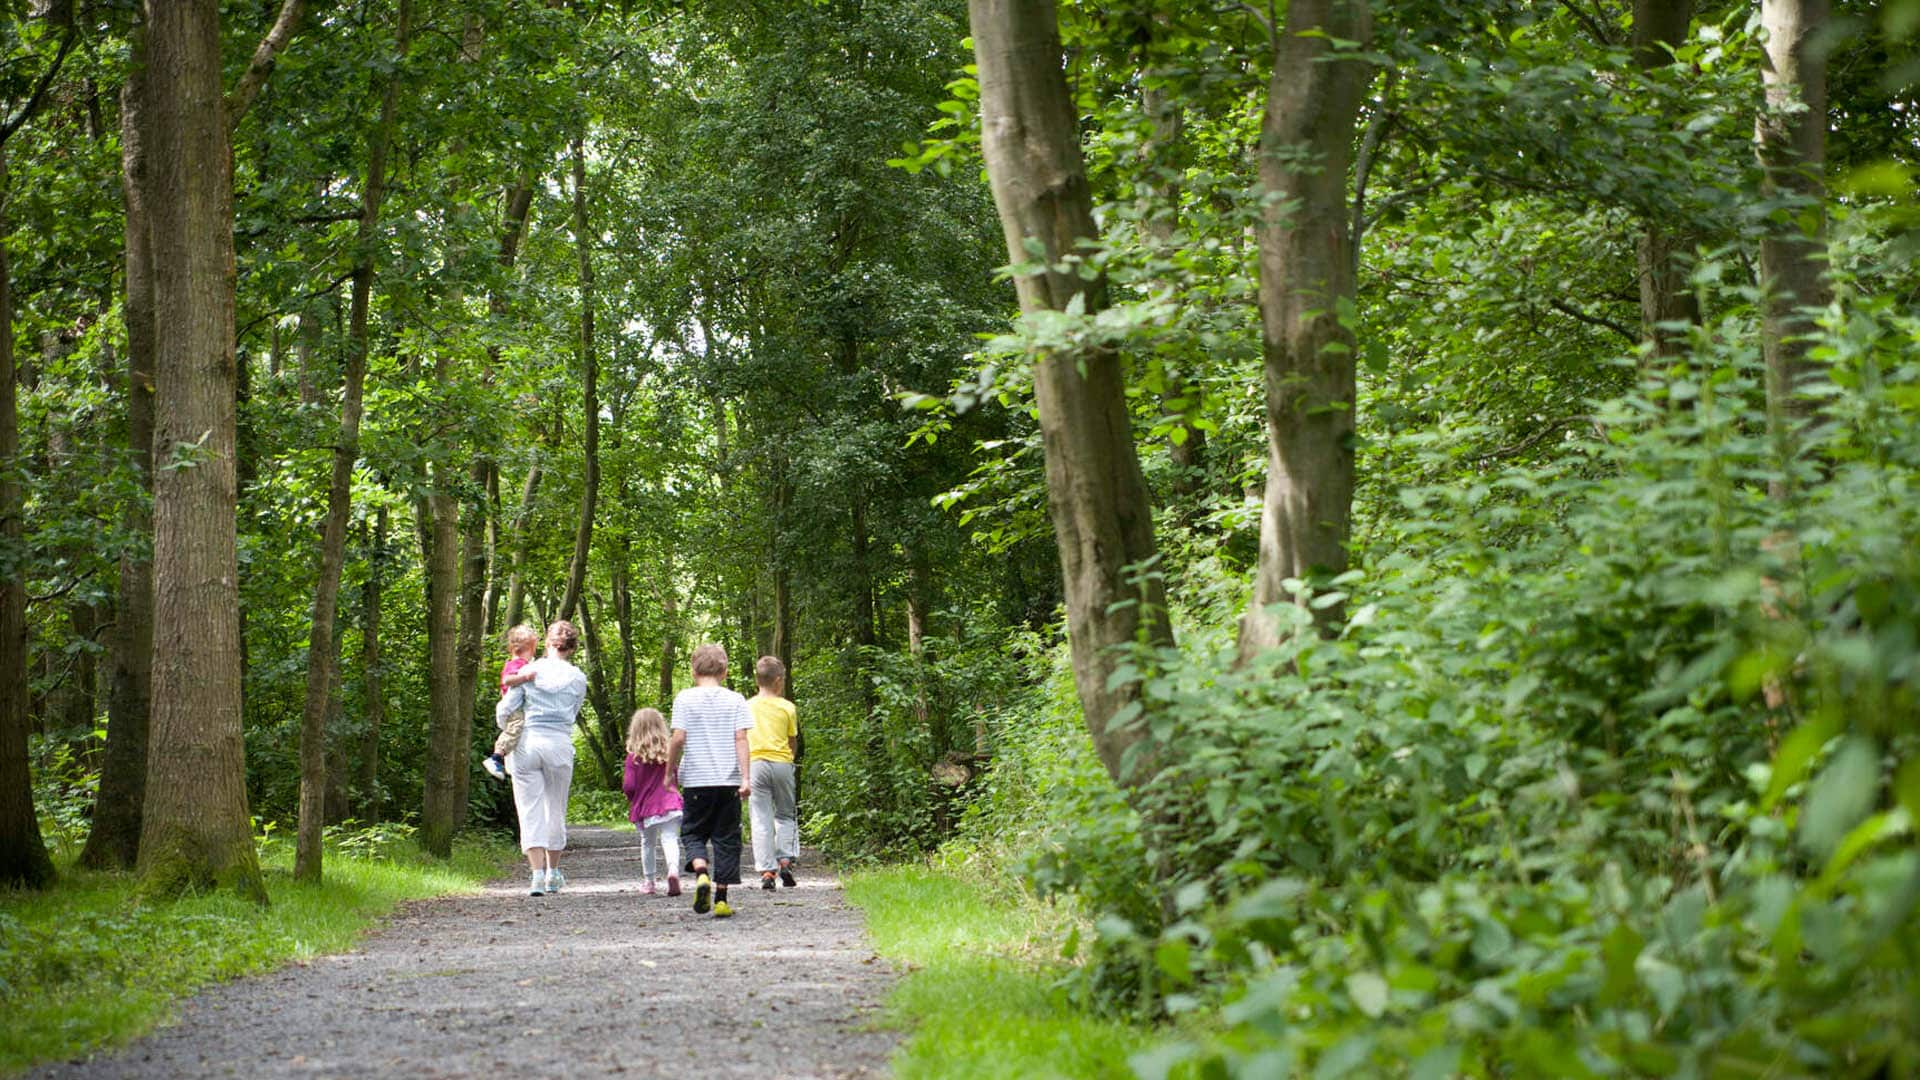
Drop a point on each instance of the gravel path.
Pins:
(597, 980)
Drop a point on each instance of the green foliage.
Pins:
(1531, 809)
(979, 992)
(86, 965)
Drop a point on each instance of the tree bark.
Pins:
(196, 831)
(1189, 449)
(23, 855)
(260, 65)
(1306, 309)
(623, 612)
(1097, 498)
(114, 841)
(1666, 297)
(373, 672)
(1790, 139)
(606, 734)
(322, 651)
(590, 367)
(669, 632)
(450, 721)
(475, 551)
(517, 582)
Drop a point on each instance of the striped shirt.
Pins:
(710, 715)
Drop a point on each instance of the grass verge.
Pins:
(978, 995)
(84, 965)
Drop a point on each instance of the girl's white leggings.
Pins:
(542, 767)
(660, 842)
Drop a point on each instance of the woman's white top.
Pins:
(552, 700)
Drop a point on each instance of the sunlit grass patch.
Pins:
(978, 994)
(85, 965)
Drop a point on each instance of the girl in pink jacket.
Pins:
(653, 799)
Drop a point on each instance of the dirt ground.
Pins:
(598, 980)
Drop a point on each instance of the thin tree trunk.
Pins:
(1186, 445)
(1790, 139)
(623, 611)
(476, 527)
(607, 733)
(782, 573)
(669, 633)
(590, 366)
(23, 855)
(373, 672)
(322, 652)
(196, 831)
(1102, 514)
(1666, 297)
(114, 841)
(517, 582)
(450, 721)
(1306, 309)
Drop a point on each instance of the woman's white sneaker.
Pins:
(539, 885)
(555, 879)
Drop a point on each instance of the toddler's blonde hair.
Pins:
(647, 737)
(522, 635)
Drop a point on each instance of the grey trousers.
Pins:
(774, 815)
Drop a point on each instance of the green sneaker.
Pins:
(722, 909)
(702, 894)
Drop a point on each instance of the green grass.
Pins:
(978, 994)
(84, 965)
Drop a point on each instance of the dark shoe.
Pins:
(766, 880)
(786, 877)
(702, 894)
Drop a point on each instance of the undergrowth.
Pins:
(981, 991)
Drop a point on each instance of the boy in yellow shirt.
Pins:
(771, 744)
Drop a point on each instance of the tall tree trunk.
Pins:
(782, 572)
(607, 733)
(1790, 139)
(373, 672)
(450, 721)
(522, 515)
(623, 611)
(322, 651)
(23, 855)
(1186, 445)
(669, 635)
(114, 841)
(1666, 298)
(590, 367)
(475, 528)
(337, 764)
(1102, 514)
(196, 830)
(1306, 308)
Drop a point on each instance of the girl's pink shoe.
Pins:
(673, 884)
(646, 888)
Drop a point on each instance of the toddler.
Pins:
(522, 640)
(653, 800)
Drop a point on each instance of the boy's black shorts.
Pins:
(710, 830)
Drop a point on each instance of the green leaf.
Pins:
(1369, 992)
(1843, 794)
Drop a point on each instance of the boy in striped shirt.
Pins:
(708, 754)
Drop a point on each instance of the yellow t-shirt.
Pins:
(774, 722)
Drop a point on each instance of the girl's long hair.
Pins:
(647, 737)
